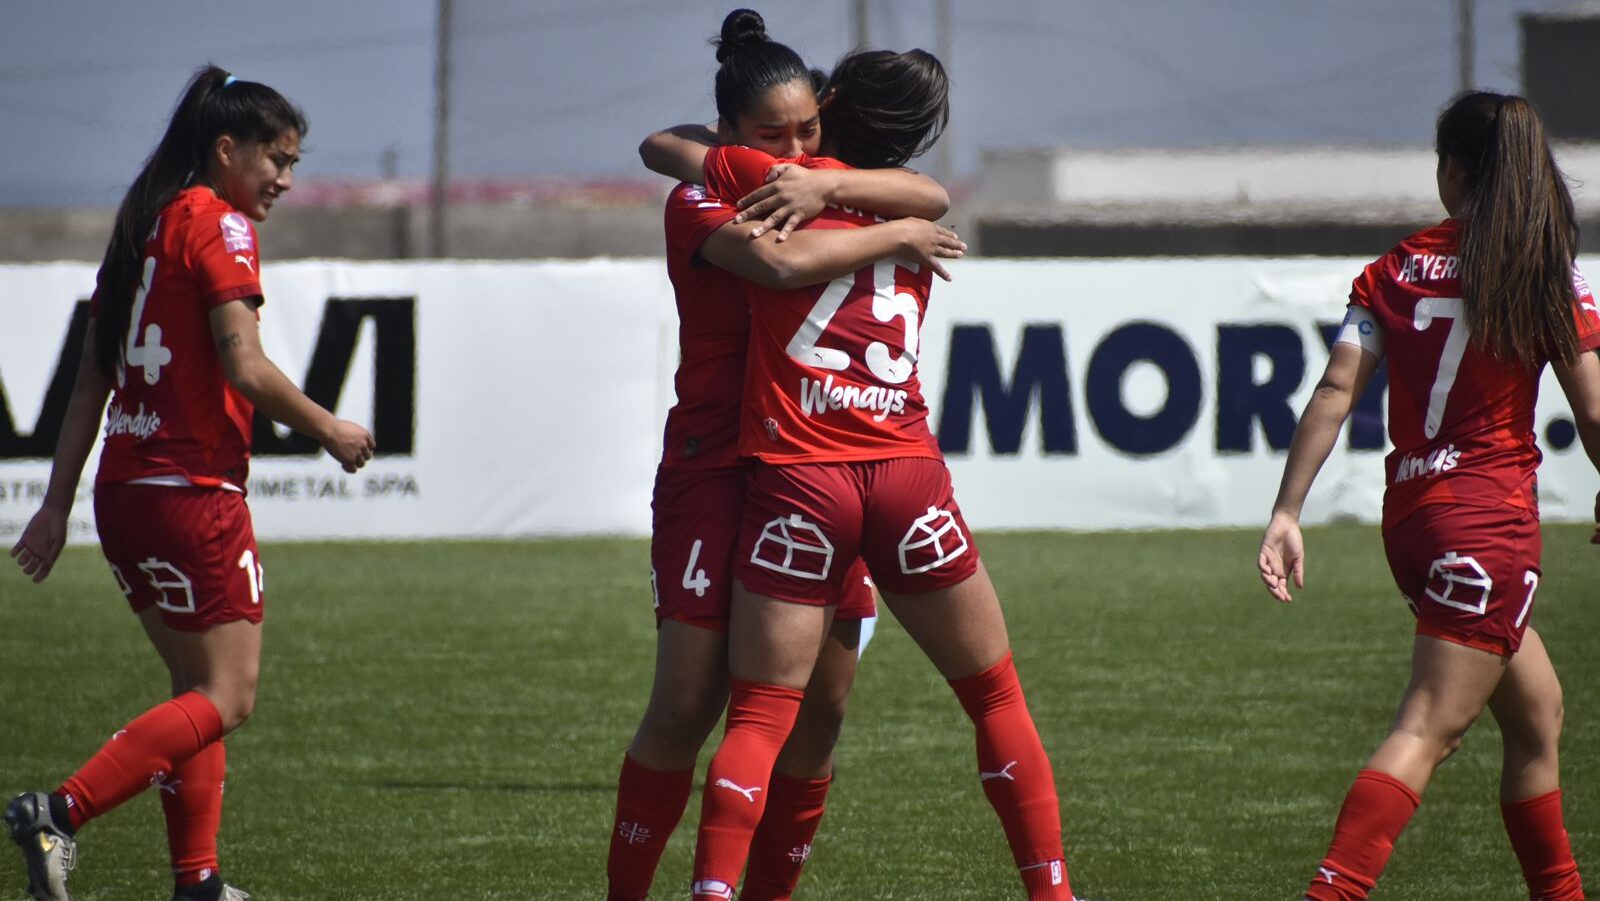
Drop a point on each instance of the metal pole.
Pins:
(1464, 41)
(441, 134)
(863, 23)
(943, 152)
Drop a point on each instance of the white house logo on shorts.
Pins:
(1466, 583)
(794, 547)
(236, 233)
(931, 542)
(176, 581)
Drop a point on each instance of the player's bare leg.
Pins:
(223, 663)
(1450, 686)
(1527, 705)
(686, 699)
(962, 631)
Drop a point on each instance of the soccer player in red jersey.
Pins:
(847, 468)
(765, 99)
(1467, 313)
(174, 342)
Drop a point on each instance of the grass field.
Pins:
(446, 720)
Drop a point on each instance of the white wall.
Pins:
(540, 389)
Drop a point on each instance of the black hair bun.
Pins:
(742, 26)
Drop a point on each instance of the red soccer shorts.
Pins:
(1469, 573)
(802, 519)
(694, 527)
(189, 551)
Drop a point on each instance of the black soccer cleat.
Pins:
(47, 847)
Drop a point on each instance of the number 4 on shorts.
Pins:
(695, 580)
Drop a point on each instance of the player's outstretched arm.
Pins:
(1282, 555)
(679, 152)
(238, 337)
(793, 195)
(41, 541)
(1580, 381)
(815, 256)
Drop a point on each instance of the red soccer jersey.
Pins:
(832, 374)
(1461, 421)
(173, 412)
(713, 334)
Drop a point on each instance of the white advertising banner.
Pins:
(515, 399)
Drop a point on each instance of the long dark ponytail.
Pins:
(882, 109)
(1519, 236)
(751, 63)
(214, 103)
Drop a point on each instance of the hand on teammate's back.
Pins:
(928, 242)
(350, 443)
(792, 196)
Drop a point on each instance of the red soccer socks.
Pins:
(1374, 814)
(191, 800)
(649, 805)
(759, 720)
(782, 842)
(144, 753)
(1540, 840)
(1016, 777)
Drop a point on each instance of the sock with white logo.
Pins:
(1017, 778)
(649, 805)
(760, 718)
(191, 802)
(782, 842)
(1539, 837)
(1374, 814)
(142, 754)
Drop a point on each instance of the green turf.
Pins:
(446, 720)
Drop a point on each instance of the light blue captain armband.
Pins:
(1361, 329)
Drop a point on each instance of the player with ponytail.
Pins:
(765, 98)
(174, 343)
(1467, 313)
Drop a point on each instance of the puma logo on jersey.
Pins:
(749, 793)
(248, 263)
(1004, 773)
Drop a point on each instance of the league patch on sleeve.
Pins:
(236, 234)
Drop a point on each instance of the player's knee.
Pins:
(679, 723)
(235, 700)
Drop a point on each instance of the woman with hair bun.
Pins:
(1468, 313)
(765, 99)
(845, 468)
(174, 341)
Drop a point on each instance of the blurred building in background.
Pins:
(1148, 147)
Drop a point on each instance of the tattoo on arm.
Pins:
(229, 342)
